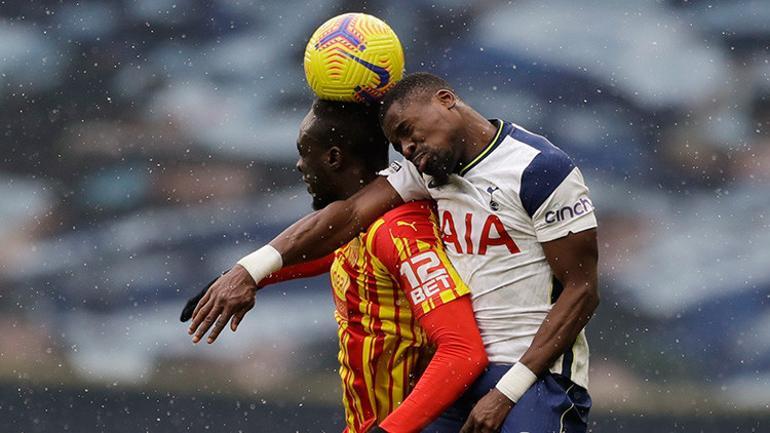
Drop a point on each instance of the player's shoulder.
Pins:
(524, 153)
(407, 220)
(544, 172)
(412, 209)
(545, 155)
(403, 167)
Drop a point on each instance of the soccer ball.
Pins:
(353, 57)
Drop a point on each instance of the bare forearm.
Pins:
(318, 234)
(561, 327)
(321, 232)
(573, 260)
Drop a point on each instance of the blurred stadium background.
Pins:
(148, 144)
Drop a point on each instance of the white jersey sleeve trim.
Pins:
(406, 180)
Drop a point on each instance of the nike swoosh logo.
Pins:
(381, 72)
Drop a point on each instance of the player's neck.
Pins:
(358, 178)
(477, 134)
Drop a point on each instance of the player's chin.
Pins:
(319, 203)
(439, 171)
(439, 180)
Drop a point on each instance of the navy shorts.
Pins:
(554, 404)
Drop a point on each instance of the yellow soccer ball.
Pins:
(353, 57)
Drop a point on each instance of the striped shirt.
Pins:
(383, 281)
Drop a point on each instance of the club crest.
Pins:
(493, 204)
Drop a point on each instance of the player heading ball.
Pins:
(492, 181)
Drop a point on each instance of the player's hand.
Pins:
(189, 307)
(230, 296)
(488, 414)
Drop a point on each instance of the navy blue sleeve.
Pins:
(544, 173)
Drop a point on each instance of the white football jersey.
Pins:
(520, 191)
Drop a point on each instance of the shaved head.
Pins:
(413, 86)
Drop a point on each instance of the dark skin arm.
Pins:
(322, 232)
(232, 295)
(573, 260)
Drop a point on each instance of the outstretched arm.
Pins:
(573, 260)
(323, 231)
(301, 270)
(314, 236)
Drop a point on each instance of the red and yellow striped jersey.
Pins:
(383, 281)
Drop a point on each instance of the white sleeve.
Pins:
(406, 180)
(567, 209)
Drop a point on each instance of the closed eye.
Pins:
(403, 129)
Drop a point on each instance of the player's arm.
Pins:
(573, 260)
(441, 302)
(569, 245)
(323, 231)
(308, 269)
(313, 236)
(459, 359)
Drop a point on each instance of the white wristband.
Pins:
(262, 262)
(516, 381)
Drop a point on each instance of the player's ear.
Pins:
(446, 97)
(334, 158)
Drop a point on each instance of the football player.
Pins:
(519, 227)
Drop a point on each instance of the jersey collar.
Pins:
(499, 136)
